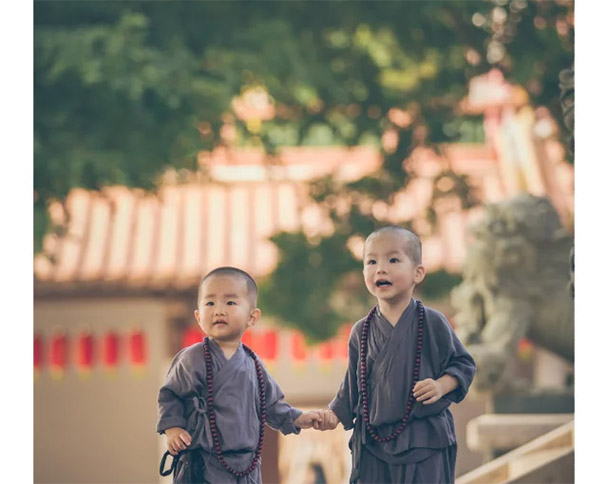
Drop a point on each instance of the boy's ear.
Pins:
(254, 317)
(197, 316)
(419, 274)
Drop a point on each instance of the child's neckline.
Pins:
(401, 314)
(222, 351)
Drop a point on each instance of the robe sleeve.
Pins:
(178, 385)
(456, 362)
(279, 414)
(344, 403)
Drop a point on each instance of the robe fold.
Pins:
(390, 367)
(182, 403)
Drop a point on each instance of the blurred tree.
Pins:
(123, 90)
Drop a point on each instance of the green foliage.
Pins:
(450, 185)
(123, 90)
(111, 107)
(303, 265)
(438, 284)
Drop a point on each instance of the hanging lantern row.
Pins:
(87, 350)
(265, 343)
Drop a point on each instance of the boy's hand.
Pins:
(330, 420)
(428, 391)
(307, 419)
(177, 440)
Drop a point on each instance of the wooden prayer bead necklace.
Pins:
(211, 411)
(364, 395)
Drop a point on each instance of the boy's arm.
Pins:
(170, 406)
(447, 383)
(458, 368)
(170, 411)
(343, 405)
(279, 414)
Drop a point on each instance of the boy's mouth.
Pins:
(219, 321)
(383, 282)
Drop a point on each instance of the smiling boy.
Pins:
(406, 366)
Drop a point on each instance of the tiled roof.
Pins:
(123, 238)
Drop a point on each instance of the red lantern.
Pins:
(326, 351)
(298, 348)
(38, 354)
(85, 352)
(247, 339)
(270, 344)
(341, 342)
(191, 336)
(59, 354)
(137, 349)
(110, 350)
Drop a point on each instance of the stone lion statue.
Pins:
(515, 284)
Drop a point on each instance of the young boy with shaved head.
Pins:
(218, 395)
(406, 366)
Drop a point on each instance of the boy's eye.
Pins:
(231, 303)
(209, 303)
(371, 262)
(394, 259)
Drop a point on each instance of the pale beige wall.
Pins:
(100, 428)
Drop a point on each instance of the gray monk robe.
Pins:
(182, 403)
(425, 451)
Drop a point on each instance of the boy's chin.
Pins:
(380, 292)
(221, 334)
(226, 335)
(393, 297)
(384, 293)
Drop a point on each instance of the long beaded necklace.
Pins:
(211, 411)
(364, 394)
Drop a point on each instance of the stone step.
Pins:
(548, 458)
(554, 465)
(502, 432)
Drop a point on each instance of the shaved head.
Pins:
(411, 242)
(252, 287)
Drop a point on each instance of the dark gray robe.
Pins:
(182, 403)
(390, 366)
